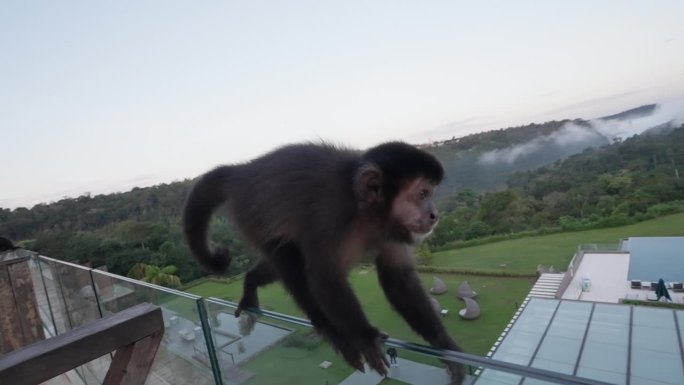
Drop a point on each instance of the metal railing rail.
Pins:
(448, 355)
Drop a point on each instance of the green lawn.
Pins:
(497, 298)
(523, 255)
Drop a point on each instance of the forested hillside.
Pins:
(608, 186)
(484, 161)
(617, 183)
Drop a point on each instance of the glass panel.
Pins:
(70, 301)
(604, 356)
(83, 374)
(42, 298)
(680, 325)
(560, 349)
(75, 288)
(523, 338)
(655, 345)
(276, 351)
(54, 298)
(182, 357)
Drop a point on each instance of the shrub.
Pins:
(300, 341)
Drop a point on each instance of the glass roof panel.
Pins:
(599, 341)
(561, 346)
(655, 345)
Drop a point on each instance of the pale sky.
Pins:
(102, 96)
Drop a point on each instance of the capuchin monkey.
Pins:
(313, 211)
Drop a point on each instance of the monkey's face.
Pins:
(413, 210)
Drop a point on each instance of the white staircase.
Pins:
(547, 285)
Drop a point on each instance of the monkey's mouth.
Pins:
(423, 228)
(420, 237)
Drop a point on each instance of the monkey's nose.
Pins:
(433, 216)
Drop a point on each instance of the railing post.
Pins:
(95, 293)
(209, 341)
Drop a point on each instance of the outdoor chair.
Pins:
(636, 285)
(541, 269)
(471, 311)
(438, 286)
(678, 287)
(464, 291)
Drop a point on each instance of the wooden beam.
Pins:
(132, 363)
(41, 361)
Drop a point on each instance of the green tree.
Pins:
(477, 229)
(423, 254)
(163, 276)
(134, 232)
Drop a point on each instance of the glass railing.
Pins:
(204, 343)
(599, 247)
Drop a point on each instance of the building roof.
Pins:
(600, 341)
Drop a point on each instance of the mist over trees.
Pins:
(614, 184)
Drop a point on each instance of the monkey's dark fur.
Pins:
(313, 210)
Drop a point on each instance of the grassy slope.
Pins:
(523, 255)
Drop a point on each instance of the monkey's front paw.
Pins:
(350, 354)
(456, 372)
(243, 308)
(246, 323)
(373, 352)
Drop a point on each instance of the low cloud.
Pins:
(598, 132)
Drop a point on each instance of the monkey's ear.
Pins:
(368, 183)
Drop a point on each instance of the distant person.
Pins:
(392, 353)
(6, 245)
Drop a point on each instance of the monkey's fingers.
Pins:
(351, 356)
(358, 366)
(377, 361)
(246, 323)
(381, 345)
(240, 309)
(375, 355)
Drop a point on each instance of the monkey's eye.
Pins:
(424, 193)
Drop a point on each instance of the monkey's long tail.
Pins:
(209, 192)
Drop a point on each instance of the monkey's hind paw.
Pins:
(246, 323)
(456, 372)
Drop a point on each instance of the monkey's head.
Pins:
(397, 181)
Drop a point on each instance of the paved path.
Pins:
(408, 371)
